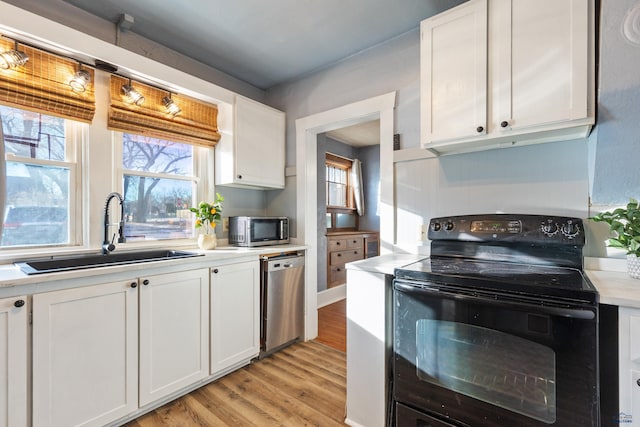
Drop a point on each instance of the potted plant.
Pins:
(207, 217)
(625, 223)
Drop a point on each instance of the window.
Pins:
(337, 181)
(40, 173)
(340, 207)
(159, 187)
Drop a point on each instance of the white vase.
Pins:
(633, 266)
(207, 241)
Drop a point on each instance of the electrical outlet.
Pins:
(423, 232)
(225, 224)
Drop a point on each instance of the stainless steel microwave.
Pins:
(258, 230)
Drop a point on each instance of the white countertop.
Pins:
(615, 286)
(384, 264)
(14, 281)
(608, 275)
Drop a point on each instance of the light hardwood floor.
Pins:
(301, 385)
(332, 325)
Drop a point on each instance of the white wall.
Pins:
(550, 178)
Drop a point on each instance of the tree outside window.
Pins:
(38, 179)
(159, 185)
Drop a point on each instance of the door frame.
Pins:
(307, 129)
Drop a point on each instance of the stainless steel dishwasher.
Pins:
(282, 301)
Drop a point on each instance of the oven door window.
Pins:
(494, 367)
(492, 360)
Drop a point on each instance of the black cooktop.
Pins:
(534, 281)
(527, 256)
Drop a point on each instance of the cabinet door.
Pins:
(541, 62)
(454, 73)
(85, 355)
(13, 362)
(235, 313)
(629, 365)
(259, 144)
(174, 332)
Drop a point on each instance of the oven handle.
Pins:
(574, 313)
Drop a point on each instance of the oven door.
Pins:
(494, 359)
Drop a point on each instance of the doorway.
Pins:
(307, 130)
(338, 218)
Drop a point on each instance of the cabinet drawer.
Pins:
(355, 243)
(343, 257)
(338, 274)
(337, 245)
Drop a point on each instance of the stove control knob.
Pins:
(448, 226)
(436, 226)
(570, 229)
(549, 228)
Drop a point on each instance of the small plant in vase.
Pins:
(207, 217)
(625, 223)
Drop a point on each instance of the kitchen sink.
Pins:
(79, 262)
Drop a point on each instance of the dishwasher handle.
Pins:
(283, 263)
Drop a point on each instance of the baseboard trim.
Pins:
(331, 295)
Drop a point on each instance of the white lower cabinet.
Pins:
(369, 308)
(13, 362)
(85, 355)
(235, 308)
(100, 352)
(174, 332)
(629, 365)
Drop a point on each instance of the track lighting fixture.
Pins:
(13, 58)
(80, 80)
(171, 106)
(133, 95)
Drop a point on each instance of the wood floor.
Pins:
(301, 385)
(332, 325)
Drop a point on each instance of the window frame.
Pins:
(75, 137)
(202, 157)
(334, 160)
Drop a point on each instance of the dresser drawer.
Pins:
(337, 245)
(355, 243)
(338, 274)
(342, 257)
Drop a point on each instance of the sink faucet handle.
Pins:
(111, 247)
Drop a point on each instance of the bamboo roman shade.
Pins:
(196, 124)
(42, 85)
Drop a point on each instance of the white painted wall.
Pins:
(548, 179)
(540, 179)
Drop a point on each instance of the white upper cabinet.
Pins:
(254, 156)
(499, 73)
(454, 73)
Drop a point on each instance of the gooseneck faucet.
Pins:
(107, 244)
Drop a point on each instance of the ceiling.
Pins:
(360, 135)
(265, 43)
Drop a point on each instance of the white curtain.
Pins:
(358, 190)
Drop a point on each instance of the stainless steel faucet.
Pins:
(107, 244)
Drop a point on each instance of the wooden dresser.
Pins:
(347, 246)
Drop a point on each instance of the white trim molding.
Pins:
(307, 129)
